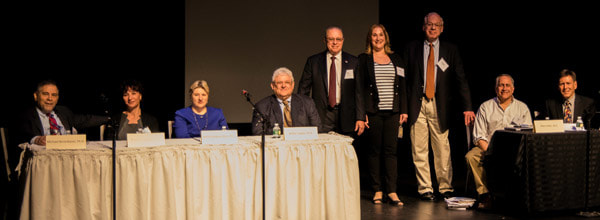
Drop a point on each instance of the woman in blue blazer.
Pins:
(197, 117)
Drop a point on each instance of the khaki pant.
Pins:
(473, 158)
(424, 130)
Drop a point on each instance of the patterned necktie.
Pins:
(54, 127)
(430, 83)
(287, 115)
(568, 118)
(332, 82)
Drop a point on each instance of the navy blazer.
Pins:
(584, 107)
(303, 113)
(367, 95)
(450, 82)
(314, 80)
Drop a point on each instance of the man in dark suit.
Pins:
(432, 82)
(570, 105)
(49, 119)
(283, 107)
(333, 94)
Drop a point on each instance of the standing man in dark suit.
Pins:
(333, 94)
(570, 105)
(283, 107)
(434, 73)
(49, 119)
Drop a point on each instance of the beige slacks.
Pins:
(427, 129)
(473, 158)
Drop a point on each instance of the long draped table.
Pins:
(315, 179)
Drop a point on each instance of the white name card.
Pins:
(65, 141)
(548, 126)
(146, 140)
(300, 133)
(219, 136)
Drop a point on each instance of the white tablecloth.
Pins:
(316, 179)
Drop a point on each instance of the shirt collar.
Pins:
(41, 113)
(435, 43)
(571, 100)
(281, 101)
(337, 56)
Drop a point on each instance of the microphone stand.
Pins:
(113, 128)
(265, 123)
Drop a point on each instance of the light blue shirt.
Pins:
(436, 50)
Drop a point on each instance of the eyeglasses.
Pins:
(280, 83)
(330, 39)
(436, 25)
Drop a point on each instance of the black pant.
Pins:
(330, 121)
(382, 146)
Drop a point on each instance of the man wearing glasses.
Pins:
(283, 107)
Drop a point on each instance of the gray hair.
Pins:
(280, 71)
(504, 74)
(432, 14)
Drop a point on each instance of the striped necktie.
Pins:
(287, 115)
(54, 127)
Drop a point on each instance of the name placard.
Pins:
(219, 136)
(146, 140)
(548, 126)
(77, 141)
(300, 133)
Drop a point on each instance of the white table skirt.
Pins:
(315, 179)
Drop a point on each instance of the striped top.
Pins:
(384, 79)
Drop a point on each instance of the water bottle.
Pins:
(276, 131)
(579, 124)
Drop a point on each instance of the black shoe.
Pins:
(447, 194)
(428, 196)
(484, 202)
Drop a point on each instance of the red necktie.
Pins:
(430, 83)
(332, 79)
(54, 127)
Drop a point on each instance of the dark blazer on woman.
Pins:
(367, 95)
(449, 82)
(147, 121)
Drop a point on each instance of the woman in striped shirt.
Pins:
(381, 107)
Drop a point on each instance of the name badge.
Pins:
(219, 136)
(300, 133)
(349, 74)
(65, 142)
(146, 140)
(548, 126)
(400, 71)
(443, 65)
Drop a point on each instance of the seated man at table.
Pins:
(46, 118)
(283, 107)
(494, 114)
(570, 105)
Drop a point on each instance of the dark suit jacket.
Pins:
(303, 109)
(450, 82)
(30, 125)
(147, 120)
(314, 78)
(584, 107)
(367, 95)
